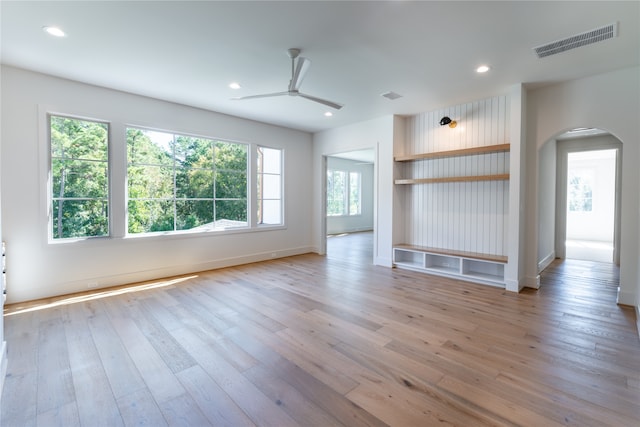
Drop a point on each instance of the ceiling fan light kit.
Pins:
(299, 68)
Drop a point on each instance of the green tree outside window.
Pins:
(79, 178)
(178, 182)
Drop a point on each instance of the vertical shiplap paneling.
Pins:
(469, 216)
(420, 197)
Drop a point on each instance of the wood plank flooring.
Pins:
(327, 341)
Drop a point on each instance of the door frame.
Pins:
(564, 147)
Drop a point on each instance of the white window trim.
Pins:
(118, 182)
(187, 231)
(282, 187)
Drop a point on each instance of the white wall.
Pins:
(3, 344)
(547, 205)
(363, 221)
(38, 269)
(607, 101)
(377, 134)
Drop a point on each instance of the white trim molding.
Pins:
(544, 263)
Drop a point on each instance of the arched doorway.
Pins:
(554, 186)
(588, 166)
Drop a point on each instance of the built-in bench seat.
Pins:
(472, 266)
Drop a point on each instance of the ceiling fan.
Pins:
(298, 70)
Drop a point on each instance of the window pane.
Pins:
(80, 218)
(271, 159)
(194, 152)
(354, 193)
(194, 213)
(271, 186)
(194, 183)
(149, 147)
(231, 213)
(78, 139)
(150, 182)
(79, 178)
(336, 193)
(147, 216)
(580, 192)
(271, 212)
(230, 156)
(231, 185)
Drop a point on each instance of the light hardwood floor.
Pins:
(324, 341)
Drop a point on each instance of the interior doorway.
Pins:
(590, 212)
(588, 197)
(350, 193)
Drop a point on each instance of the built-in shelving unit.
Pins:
(486, 149)
(471, 266)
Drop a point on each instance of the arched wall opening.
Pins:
(606, 101)
(552, 162)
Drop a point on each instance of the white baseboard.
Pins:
(532, 282)
(383, 261)
(626, 298)
(513, 285)
(204, 266)
(544, 263)
(158, 273)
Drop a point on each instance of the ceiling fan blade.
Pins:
(266, 95)
(321, 101)
(301, 69)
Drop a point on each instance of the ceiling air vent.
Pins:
(391, 95)
(593, 36)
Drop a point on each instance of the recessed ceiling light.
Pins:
(54, 31)
(234, 85)
(483, 69)
(328, 114)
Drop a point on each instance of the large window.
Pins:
(79, 198)
(269, 186)
(343, 193)
(178, 182)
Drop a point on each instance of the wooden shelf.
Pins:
(454, 153)
(498, 177)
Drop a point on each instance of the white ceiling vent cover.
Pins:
(593, 36)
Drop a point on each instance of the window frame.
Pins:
(346, 196)
(117, 179)
(174, 199)
(258, 198)
(49, 199)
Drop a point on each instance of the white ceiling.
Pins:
(188, 52)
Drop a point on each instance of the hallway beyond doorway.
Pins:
(351, 247)
(589, 250)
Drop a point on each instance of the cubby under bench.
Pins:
(471, 266)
